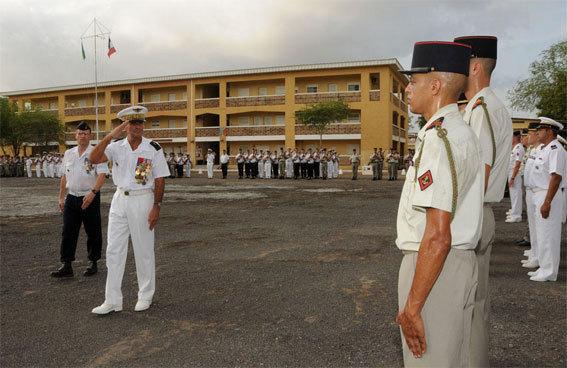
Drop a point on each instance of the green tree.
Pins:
(29, 126)
(545, 89)
(320, 115)
(421, 121)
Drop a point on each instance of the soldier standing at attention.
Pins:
(375, 162)
(514, 180)
(487, 116)
(354, 162)
(139, 171)
(440, 213)
(79, 201)
(224, 159)
(210, 163)
(29, 163)
(282, 164)
(240, 163)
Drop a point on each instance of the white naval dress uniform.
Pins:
(289, 167)
(495, 154)
(29, 162)
(38, 167)
(516, 190)
(552, 158)
(447, 313)
(267, 167)
(210, 163)
(530, 204)
(128, 216)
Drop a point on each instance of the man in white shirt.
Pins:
(515, 180)
(224, 158)
(79, 201)
(139, 171)
(440, 214)
(210, 163)
(489, 119)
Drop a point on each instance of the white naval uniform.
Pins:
(447, 313)
(336, 167)
(80, 174)
(210, 163)
(530, 204)
(550, 159)
(267, 167)
(475, 116)
(128, 216)
(289, 167)
(38, 167)
(516, 199)
(187, 167)
(29, 162)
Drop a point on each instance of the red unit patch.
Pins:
(425, 180)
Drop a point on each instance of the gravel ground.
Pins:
(249, 273)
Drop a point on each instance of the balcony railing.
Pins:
(338, 128)
(118, 107)
(207, 131)
(206, 103)
(375, 95)
(398, 102)
(70, 136)
(165, 105)
(255, 101)
(165, 133)
(79, 111)
(397, 131)
(257, 130)
(307, 98)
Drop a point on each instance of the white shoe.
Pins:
(106, 308)
(533, 273)
(516, 219)
(539, 278)
(531, 264)
(142, 305)
(509, 212)
(527, 252)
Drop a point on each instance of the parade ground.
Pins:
(250, 273)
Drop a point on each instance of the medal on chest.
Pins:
(143, 170)
(88, 165)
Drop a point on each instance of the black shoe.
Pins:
(91, 270)
(523, 243)
(66, 270)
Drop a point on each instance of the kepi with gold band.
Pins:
(133, 114)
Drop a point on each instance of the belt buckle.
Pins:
(126, 192)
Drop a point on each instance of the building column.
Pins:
(290, 112)
(191, 146)
(222, 117)
(107, 113)
(134, 95)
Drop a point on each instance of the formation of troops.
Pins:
(48, 165)
(445, 222)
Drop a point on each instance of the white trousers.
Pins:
(28, 170)
(336, 170)
(548, 235)
(210, 170)
(330, 170)
(260, 169)
(188, 170)
(288, 169)
(267, 170)
(38, 170)
(128, 217)
(531, 210)
(516, 198)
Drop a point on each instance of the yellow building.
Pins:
(248, 108)
(522, 123)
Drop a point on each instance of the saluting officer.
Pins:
(440, 212)
(548, 180)
(79, 201)
(139, 171)
(489, 119)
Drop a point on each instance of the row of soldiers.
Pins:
(48, 165)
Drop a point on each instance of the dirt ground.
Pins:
(250, 273)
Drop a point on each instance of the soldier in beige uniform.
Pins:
(440, 214)
(487, 116)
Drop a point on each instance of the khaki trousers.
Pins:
(447, 313)
(479, 331)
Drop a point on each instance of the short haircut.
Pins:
(453, 83)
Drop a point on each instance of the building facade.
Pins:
(249, 108)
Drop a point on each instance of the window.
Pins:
(125, 97)
(262, 91)
(243, 92)
(184, 96)
(353, 87)
(268, 120)
(333, 87)
(312, 88)
(171, 97)
(243, 120)
(155, 123)
(82, 103)
(353, 117)
(257, 120)
(280, 90)
(171, 123)
(280, 119)
(155, 98)
(27, 105)
(53, 105)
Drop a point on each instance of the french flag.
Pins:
(111, 49)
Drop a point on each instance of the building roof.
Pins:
(222, 73)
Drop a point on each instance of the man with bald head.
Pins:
(440, 214)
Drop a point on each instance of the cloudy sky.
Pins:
(40, 43)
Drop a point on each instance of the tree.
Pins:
(29, 126)
(421, 121)
(546, 88)
(320, 115)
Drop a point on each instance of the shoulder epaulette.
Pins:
(436, 123)
(479, 102)
(155, 145)
(553, 146)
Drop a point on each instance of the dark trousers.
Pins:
(303, 170)
(224, 169)
(316, 170)
(241, 170)
(73, 217)
(296, 166)
(254, 170)
(275, 168)
(179, 171)
(310, 167)
(248, 169)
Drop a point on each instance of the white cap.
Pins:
(133, 113)
(543, 121)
